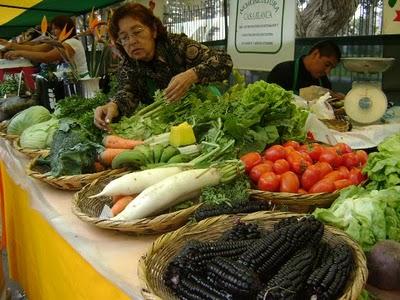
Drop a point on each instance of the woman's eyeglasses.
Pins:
(134, 34)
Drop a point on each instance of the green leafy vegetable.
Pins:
(72, 150)
(230, 193)
(383, 167)
(367, 216)
(39, 136)
(26, 118)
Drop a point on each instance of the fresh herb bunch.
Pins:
(9, 85)
(81, 110)
(230, 193)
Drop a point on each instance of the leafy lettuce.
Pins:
(367, 216)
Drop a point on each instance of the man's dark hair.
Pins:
(327, 48)
(61, 21)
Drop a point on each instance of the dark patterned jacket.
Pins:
(137, 80)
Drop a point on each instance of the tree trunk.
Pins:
(324, 17)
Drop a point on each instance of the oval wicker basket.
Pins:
(304, 203)
(3, 132)
(88, 210)
(152, 266)
(69, 182)
(32, 153)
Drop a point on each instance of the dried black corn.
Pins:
(242, 231)
(291, 278)
(206, 211)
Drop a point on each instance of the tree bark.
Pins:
(324, 17)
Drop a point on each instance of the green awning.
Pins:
(18, 15)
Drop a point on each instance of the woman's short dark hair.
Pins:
(61, 21)
(327, 48)
(139, 12)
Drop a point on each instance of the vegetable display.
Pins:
(308, 168)
(383, 167)
(367, 216)
(39, 136)
(26, 118)
(291, 262)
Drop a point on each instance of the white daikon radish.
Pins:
(136, 182)
(169, 192)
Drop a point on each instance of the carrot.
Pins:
(108, 155)
(98, 167)
(116, 198)
(121, 204)
(114, 141)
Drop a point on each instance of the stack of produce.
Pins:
(290, 262)
(155, 190)
(308, 168)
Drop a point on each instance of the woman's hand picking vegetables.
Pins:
(180, 84)
(103, 115)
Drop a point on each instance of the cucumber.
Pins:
(179, 158)
(147, 151)
(168, 153)
(157, 151)
(130, 158)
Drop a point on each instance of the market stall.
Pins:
(53, 253)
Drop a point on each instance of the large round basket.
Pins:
(3, 132)
(303, 203)
(70, 182)
(32, 153)
(152, 266)
(89, 209)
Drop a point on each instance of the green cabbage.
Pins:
(26, 118)
(39, 136)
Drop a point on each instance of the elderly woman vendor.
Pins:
(154, 59)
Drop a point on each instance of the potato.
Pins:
(384, 265)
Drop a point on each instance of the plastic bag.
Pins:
(322, 109)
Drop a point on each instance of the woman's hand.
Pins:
(12, 55)
(180, 84)
(103, 115)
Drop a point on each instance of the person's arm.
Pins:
(45, 56)
(35, 48)
(204, 65)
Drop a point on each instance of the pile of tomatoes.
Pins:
(308, 168)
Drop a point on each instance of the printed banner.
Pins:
(391, 17)
(261, 33)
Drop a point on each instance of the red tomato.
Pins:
(250, 160)
(344, 171)
(350, 160)
(334, 175)
(310, 176)
(356, 176)
(331, 157)
(275, 152)
(325, 185)
(342, 183)
(260, 169)
(324, 167)
(306, 157)
(281, 166)
(294, 144)
(269, 182)
(302, 191)
(362, 156)
(289, 182)
(288, 150)
(299, 166)
(342, 148)
(314, 151)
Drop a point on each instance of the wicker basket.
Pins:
(70, 182)
(32, 153)
(3, 132)
(88, 210)
(303, 203)
(153, 264)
